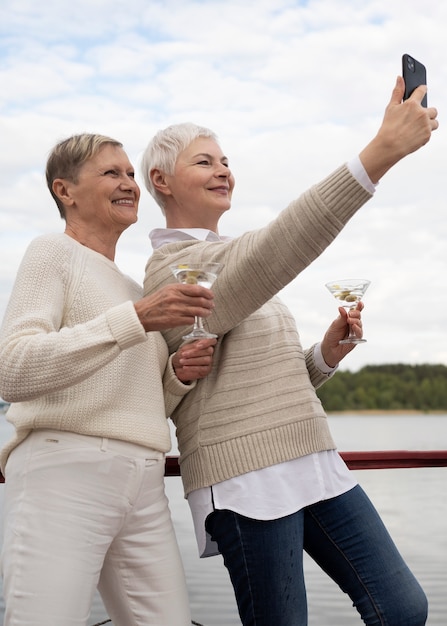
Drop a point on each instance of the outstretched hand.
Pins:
(406, 127)
(333, 352)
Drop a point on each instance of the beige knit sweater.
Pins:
(258, 407)
(75, 357)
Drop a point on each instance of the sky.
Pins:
(292, 89)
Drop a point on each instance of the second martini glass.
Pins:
(349, 292)
(197, 274)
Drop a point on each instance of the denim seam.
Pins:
(347, 560)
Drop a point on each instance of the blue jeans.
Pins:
(347, 539)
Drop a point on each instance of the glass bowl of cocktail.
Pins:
(349, 292)
(197, 274)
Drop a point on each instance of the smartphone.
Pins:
(414, 74)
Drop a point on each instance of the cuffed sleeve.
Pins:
(125, 326)
(174, 389)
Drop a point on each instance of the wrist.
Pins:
(323, 359)
(377, 158)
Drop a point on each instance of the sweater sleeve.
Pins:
(258, 264)
(173, 388)
(316, 376)
(39, 351)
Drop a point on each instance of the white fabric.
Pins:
(115, 492)
(356, 168)
(272, 492)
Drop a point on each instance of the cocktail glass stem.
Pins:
(352, 337)
(198, 331)
(198, 325)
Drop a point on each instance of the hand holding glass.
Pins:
(349, 292)
(197, 274)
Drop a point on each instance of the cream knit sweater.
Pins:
(75, 357)
(258, 407)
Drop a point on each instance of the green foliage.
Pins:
(387, 387)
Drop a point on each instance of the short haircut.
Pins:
(163, 150)
(68, 156)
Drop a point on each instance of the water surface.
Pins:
(412, 503)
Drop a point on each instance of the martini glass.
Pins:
(197, 274)
(349, 292)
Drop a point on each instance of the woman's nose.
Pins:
(223, 170)
(129, 182)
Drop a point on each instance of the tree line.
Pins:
(382, 387)
(387, 387)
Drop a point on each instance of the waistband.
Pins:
(126, 448)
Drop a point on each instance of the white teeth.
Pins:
(127, 202)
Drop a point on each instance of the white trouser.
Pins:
(85, 512)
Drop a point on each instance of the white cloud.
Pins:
(291, 88)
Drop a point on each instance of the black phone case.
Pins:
(414, 74)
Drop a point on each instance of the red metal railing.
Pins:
(376, 459)
(390, 459)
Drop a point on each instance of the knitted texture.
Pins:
(258, 407)
(74, 355)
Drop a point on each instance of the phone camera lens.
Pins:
(410, 64)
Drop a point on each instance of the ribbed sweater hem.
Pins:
(212, 464)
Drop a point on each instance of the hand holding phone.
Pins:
(414, 74)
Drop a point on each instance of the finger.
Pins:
(398, 91)
(354, 314)
(358, 330)
(194, 372)
(193, 358)
(432, 115)
(343, 312)
(419, 93)
(205, 359)
(195, 291)
(202, 344)
(199, 301)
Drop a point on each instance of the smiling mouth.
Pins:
(124, 202)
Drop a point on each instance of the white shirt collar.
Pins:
(161, 236)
